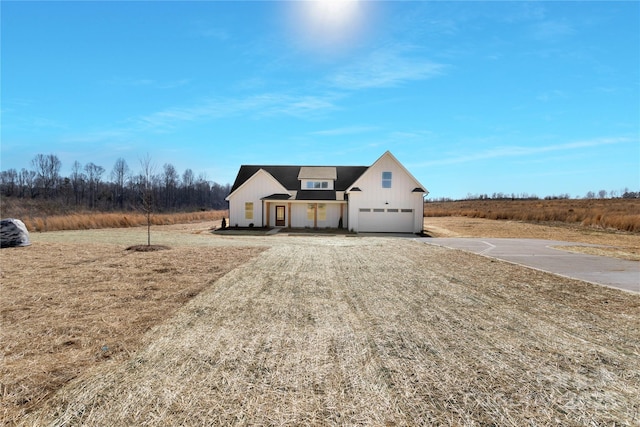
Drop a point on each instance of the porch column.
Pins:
(268, 210)
(289, 215)
(315, 216)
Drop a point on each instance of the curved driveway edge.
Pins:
(539, 254)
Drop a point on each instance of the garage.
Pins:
(391, 220)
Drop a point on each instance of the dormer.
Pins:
(317, 177)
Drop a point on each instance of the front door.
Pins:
(280, 220)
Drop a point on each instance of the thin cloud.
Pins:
(520, 151)
(214, 33)
(551, 30)
(146, 82)
(97, 136)
(349, 130)
(384, 68)
(551, 95)
(258, 106)
(263, 105)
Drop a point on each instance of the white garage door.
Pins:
(385, 220)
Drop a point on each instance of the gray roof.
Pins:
(288, 177)
(316, 195)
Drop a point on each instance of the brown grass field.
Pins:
(615, 214)
(93, 220)
(309, 330)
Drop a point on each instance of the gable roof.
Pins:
(287, 176)
(419, 187)
(259, 171)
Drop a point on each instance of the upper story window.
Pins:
(317, 185)
(386, 179)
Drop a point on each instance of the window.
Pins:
(317, 185)
(365, 210)
(386, 179)
(378, 210)
(248, 210)
(392, 210)
(406, 210)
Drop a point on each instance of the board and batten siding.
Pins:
(373, 196)
(299, 218)
(260, 185)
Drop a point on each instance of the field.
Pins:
(615, 214)
(308, 330)
(92, 220)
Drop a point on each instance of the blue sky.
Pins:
(472, 97)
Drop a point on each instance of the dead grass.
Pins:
(616, 214)
(353, 331)
(66, 308)
(328, 330)
(92, 220)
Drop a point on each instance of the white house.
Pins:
(383, 197)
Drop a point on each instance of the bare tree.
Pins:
(8, 180)
(119, 177)
(27, 179)
(47, 168)
(77, 181)
(146, 194)
(170, 181)
(94, 176)
(187, 186)
(86, 186)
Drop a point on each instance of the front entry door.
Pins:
(280, 220)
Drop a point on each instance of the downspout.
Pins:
(262, 226)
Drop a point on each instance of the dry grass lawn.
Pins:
(332, 330)
(67, 307)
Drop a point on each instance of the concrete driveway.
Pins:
(540, 254)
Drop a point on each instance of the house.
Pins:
(383, 197)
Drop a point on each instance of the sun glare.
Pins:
(333, 14)
(328, 25)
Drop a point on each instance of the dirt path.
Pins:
(374, 331)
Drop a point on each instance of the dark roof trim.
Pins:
(277, 196)
(316, 195)
(418, 190)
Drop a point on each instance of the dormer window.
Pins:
(386, 179)
(317, 185)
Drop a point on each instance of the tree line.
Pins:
(601, 194)
(91, 186)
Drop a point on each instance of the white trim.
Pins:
(268, 175)
(386, 154)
